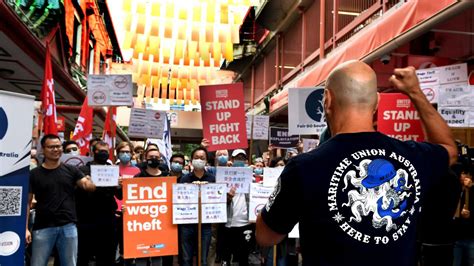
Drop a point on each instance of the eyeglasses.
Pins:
(71, 149)
(53, 147)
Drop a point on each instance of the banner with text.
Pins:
(110, 90)
(305, 111)
(280, 138)
(223, 116)
(148, 229)
(398, 118)
(16, 123)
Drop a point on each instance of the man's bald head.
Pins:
(353, 85)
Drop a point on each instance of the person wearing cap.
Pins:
(238, 234)
(364, 199)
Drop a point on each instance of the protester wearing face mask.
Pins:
(239, 233)
(125, 154)
(177, 166)
(96, 223)
(189, 232)
(258, 170)
(70, 147)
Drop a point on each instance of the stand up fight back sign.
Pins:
(223, 116)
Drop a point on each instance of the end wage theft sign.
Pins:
(223, 116)
(306, 111)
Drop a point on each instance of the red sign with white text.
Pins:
(223, 116)
(398, 118)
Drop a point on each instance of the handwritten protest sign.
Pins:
(260, 126)
(105, 175)
(271, 175)
(237, 177)
(259, 195)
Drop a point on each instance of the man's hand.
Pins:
(205, 143)
(28, 236)
(86, 184)
(231, 194)
(465, 213)
(405, 80)
(467, 182)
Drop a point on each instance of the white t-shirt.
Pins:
(240, 211)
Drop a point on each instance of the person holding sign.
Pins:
(189, 232)
(153, 161)
(238, 234)
(96, 224)
(365, 197)
(53, 185)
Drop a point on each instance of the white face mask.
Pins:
(74, 152)
(198, 164)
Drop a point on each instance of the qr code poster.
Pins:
(10, 201)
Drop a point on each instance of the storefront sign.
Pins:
(223, 116)
(398, 118)
(148, 228)
(110, 90)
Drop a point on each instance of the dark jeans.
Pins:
(436, 254)
(189, 242)
(238, 242)
(99, 241)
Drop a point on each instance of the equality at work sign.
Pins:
(223, 116)
(398, 118)
(148, 229)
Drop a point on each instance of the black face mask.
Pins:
(101, 157)
(153, 162)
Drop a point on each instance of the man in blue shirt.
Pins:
(357, 197)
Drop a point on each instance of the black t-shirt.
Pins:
(97, 207)
(357, 199)
(54, 193)
(144, 173)
(207, 177)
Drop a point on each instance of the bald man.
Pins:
(357, 197)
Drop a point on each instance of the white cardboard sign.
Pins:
(146, 123)
(105, 175)
(238, 177)
(110, 90)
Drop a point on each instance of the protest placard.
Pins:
(110, 90)
(398, 118)
(455, 94)
(214, 213)
(146, 123)
(279, 138)
(271, 175)
(185, 213)
(148, 228)
(185, 203)
(214, 193)
(214, 203)
(455, 116)
(237, 177)
(305, 111)
(223, 116)
(259, 195)
(260, 126)
(76, 160)
(105, 175)
(310, 144)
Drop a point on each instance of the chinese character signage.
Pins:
(236, 177)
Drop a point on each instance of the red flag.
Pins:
(83, 130)
(48, 106)
(110, 130)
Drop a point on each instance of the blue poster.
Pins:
(15, 145)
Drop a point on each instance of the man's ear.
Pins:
(377, 104)
(327, 101)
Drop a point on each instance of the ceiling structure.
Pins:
(172, 47)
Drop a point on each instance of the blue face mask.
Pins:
(176, 167)
(258, 171)
(222, 160)
(133, 162)
(185, 172)
(124, 157)
(238, 163)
